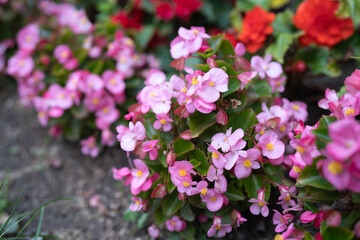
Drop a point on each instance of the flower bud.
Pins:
(221, 117)
(170, 158)
(307, 217)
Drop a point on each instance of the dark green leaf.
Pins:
(331, 232)
(198, 122)
(159, 216)
(234, 85)
(326, 120)
(255, 182)
(244, 120)
(145, 35)
(215, 42)
(186, 213)
(234, 194)
(182, 146)
(355, 197)
(259, 89)
(170, 204)
(226, 48)
(199, 156)
(188, 233)
(195, 163)
(322, 137)
(282, 44)
(247, 5)
(283, 23)
(310, 177)
(317, 195)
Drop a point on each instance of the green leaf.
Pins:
(188, 233)
(317, 59)
(283, 23)
(186, 213)
(170, 204)
(195, 163)
(150, 131)
(310, 207)
(355, 197)
(310, 177)
(215, 42)
(259, 89)
(131, 216)
(234, 194)
(234, 85)
(182, 146)
(247, 5)
(331, 232)
(351, 219)
(282, 44)
(159, 216)
(236, 20)
(244, 120)
(203, 67)
(227, 48)
(227, 68)
(200, 156)
(198, 122)
(255, 182)
(141, 221)
(145, 35)
(326, 120)
(317, 195)
(322, 137)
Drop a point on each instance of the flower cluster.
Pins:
(201, 106)
(83, 90)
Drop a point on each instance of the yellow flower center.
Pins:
(218, 227)
(282, 128)
(184, 89)
(195, 32)
(300, 149)
(123, 60)
(278, 83)
(61, 95)
(247, 163)
(112, 81)
(225, 139)
(105, 110)
(211, 83)
(137, 202)
(162, 121)
(278, 237)
(350, 111)
(187, 99)
(213, 199)
(182, 172)
(152, 94)
(262, 132)
(270, 146)
(64, 54)
(194, 81)
(83, 20)
(261, 204)
(287, 198)
(95, 101)
(214, 155)
(186, 184)
(173, 223)
(41, 114)
(335, 168)
(296, 107)
(297, 169)
(28, 38)
(203, 192)
(139, 173)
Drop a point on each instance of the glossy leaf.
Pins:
(198, 122)
(234, 194)
(171, 204)
(310, 177)
(244, 120)
(182, 146)
(331, 232)
(186, 212)
(255, 182)
(200, 157)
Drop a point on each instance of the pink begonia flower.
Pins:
(350, 106)
(114, 81)
(234, 153)
(282, 221)
(259, 205)
(163, 121)
(357, 229)
(217, 158)
(119, 174)
(214, 200)
(285, 197)
(307, 217)
(139, 173)
(186, 185)
(201, 187)
(153, 231)
(42, 109)
(58, 97)
(188, 41)
(107, 115)
(296, 109)
(89, 146)
(266, 68)
(150, 146)
(95, 52)
(20, 65)
(331, 100)
(352, 83)
(298, 166)
(271, 147)
(240, 49)
(332, 218)
(221, 229)
(80, 23)
(175, 224)
(274, 111)
(158, 98)
(28, 37)
(345, 135)
(354, 169)
(277, 84)
(107, 138)
(246, 77)
(71, 64)
(55, 131)
(136, 205)
(136, 132)
(95, 101)
(226, 140)
(237, 218)
(155, 77)
(220, 184)
(180, 170)
(244, 165)
(337, 173)
(92, 83)
(36, 78)
(213, 82)
(305, 146)
(62, 53)
(290, 231)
